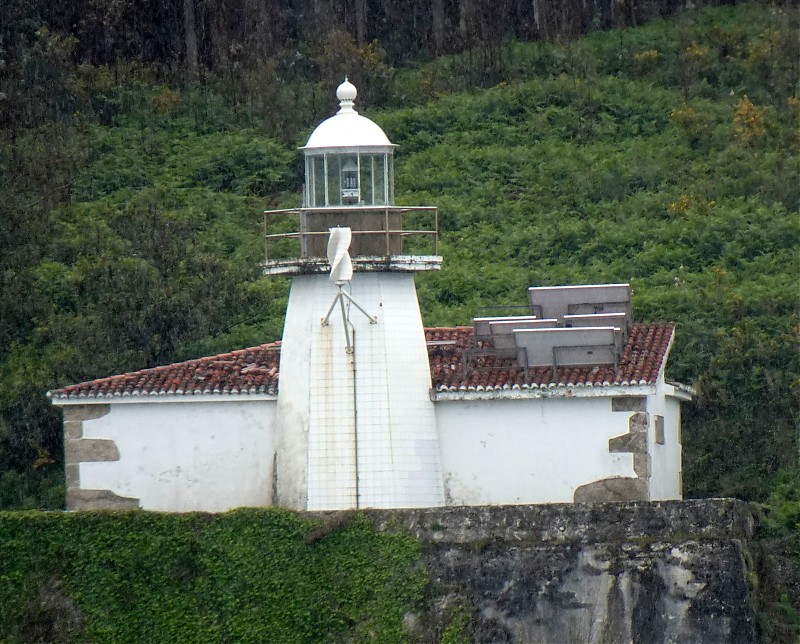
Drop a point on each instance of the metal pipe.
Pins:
(372, 319)
(436, 236)
(355, 425)
(344, 321)
(386, 228)
(327, 317)
(266, 245)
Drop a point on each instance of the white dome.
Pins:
(347, 129)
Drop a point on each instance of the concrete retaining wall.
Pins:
(673, 571)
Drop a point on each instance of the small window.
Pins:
(660, 430)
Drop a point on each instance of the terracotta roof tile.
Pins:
(247, 371)
(255, 370)
(641, 361)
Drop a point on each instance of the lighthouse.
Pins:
(359, 406)
(355, 424)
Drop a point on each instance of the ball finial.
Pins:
(346, 93)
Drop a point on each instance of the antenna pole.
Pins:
(330, 310)
(372, 319)
(344, 321)
(341, 296)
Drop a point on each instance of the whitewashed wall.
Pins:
(186, 456)
(527, 451)
(665, 481)
(370, 409)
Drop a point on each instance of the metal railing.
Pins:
(390, 234)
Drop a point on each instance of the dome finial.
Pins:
(346, 93)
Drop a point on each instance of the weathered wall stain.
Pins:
(671, 571)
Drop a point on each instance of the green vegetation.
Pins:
(247, 575)
(779, 531)
(457, 630)
(783, 517)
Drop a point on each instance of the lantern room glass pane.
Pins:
(349, 180)
(390, 175)
(379, 180)
(308, 186)
(334, 179)
(367, 161)
(318, 192)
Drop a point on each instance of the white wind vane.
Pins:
(338, 255)
(341, 274)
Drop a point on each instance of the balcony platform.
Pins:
(319, 265)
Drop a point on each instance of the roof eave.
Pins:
(531, 392)
(147, 398)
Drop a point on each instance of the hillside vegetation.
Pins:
(664, 155)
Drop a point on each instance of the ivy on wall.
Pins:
(247, 575)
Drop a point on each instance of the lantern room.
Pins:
(348, 160)
(349, 172)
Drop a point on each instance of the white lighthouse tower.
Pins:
(355, 422)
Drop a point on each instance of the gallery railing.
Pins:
(377, 232)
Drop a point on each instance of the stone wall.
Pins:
(78, 449)
(672, 571)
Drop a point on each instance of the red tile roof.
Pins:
(642, 359)
(248, 371)
(255, 370)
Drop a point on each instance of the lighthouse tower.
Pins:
(355, 422)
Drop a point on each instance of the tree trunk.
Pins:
(361, 22)
(190, 37)
(466, 21)
(437, 25)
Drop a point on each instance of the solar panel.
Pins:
(596, 319)
(569, 346)
(560, 301)
(502, 331)
(585, 325)
(482, 325)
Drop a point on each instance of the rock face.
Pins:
(630, 572)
